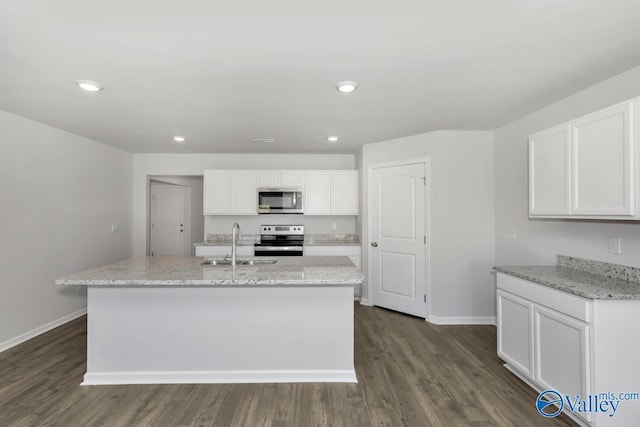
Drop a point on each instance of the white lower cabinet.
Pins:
(576, 346)
(216, 251)
(515, 336)
(561, 352)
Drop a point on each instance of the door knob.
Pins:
(374, 244)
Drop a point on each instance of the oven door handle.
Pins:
(278, 248)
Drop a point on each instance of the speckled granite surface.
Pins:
(615, 271)
(225, 240)
(332, 240)
(577, 282)
(309, 240)
(187, 271)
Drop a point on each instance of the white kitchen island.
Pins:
(168, 320)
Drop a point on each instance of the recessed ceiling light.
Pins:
(347, 86)
(89, 86)
(332, 139)
(179, 138)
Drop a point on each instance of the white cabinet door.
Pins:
(216, 192)
(603, 166)
(342, 250)
(515, 332)
(228, 192)
(344, 192)
(550, 171)
(244, 198)
(277, 179)
(317, 193)
(292, 179)
(220, 251)
(561, 353)
(269, 179)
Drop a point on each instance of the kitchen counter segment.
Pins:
(586, 278)
(188, 271)
(171, 320)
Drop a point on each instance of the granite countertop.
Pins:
(582, 283)
(172, 271)
(332, 240)
(309, 240)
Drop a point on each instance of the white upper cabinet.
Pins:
(331, 192)
(229, 192)
(325, 192)
(550, 171)
(216, 197)
(292, 179)
(269, 179)
(276, 179)
(317, 194)
(603, 166)
(587, 168)
(344, 192)
(244, 196)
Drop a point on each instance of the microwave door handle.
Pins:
(295, 202)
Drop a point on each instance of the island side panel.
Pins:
(146, 335)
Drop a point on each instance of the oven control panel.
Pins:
(282, 229)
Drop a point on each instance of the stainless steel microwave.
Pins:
(280, 200)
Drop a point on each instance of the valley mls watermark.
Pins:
(550, 403)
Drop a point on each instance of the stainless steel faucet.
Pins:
(235, 235)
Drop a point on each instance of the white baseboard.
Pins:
(12, 342)
(220, 377)
(364, 301)
(462, 320)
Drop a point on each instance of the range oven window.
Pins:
(279, 200)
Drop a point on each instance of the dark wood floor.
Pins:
(410, 373)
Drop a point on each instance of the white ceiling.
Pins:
(225, 72)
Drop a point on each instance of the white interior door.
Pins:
(167, 213)
(397, 250)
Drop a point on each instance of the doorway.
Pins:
(164, 213)
(168, 211)
(399, 236)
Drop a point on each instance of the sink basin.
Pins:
(239, 261)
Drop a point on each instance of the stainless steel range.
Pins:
(280, 240)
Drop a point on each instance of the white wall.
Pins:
(462, 230)
(145, 165)
(540, 240)
(59, 194)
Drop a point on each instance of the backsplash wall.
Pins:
(250, 224)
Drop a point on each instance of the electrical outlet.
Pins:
(334, 226)
(114, 228)
(514, 234)
(614, 245)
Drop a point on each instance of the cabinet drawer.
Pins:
(205, 250)
(332, 250)
(571, 305)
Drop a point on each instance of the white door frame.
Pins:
(426, 161)
(187, 214)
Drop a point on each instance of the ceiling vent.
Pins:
(264, 140)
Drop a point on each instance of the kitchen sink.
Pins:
(239, 261)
